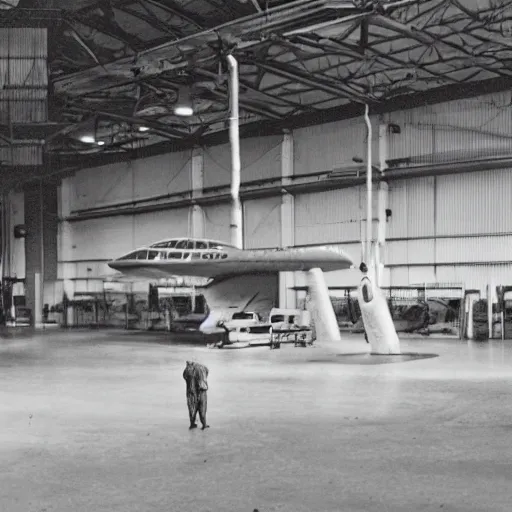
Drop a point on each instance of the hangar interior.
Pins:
(95, 162)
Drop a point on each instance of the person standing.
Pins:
(192, 398)
(201, 377)
(196, 376)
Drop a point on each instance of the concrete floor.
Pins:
(97, 421)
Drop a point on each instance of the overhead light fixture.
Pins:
(88, 139)
(101, 143)
(143, 129)
(183, 111)
(184, 105)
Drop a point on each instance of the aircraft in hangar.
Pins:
(239, 278)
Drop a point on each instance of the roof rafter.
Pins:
(151, 19)
(294, 74)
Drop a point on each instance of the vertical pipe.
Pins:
(369, 215)
(490, 298)
(234, 139)
(41, 229)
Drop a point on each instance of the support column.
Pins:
(287, 296)
(15, 247)
(34, 246)
(326, 325)
(66, 269)
(197, 179)
(377, 319)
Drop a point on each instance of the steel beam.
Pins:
(294, 74)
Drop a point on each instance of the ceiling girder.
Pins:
(151, 20)
(294, 74)
(106, 27)
(245, 105)
(172, 8)
(157, 127)
(429, 40)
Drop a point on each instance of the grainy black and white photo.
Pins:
(256, 255)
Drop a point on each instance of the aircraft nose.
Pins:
(112, 264)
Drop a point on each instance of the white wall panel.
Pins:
(405, 276)
(476, 276)
(468, 125)
(416, 137)
(153, 226)
(262, 223)
(399, 276)
(475, 203)
(260, 159)
(424, 274)
(481, 123)
(101, 186)
(105, 238)
(16, 215)
(329, 146)
(137, 179)
(474, 249)
(332, 216)
(403, 252)
(412, 203)
(162, 174)
(216, 222)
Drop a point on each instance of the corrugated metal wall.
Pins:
(329, 146)
(127, 181)
(262, 223)
(465, 220)
(21, 154)
(413, 252)
(23, 89)
(110, 237)
(416, 138)
(476, 203)
(162, 174)
(260, 159)
(332, 216)
(468, 126)
(23, 75)
(216, 222)
(104, 238)
(151, 227)
(433, 220)
(413, 208)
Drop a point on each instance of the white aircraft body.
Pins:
(240, 279)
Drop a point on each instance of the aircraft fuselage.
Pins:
(205, 258)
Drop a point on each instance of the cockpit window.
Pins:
(130, 256)
(215, 245)
(185, 244)
(174, 255)
(242, 316)
(152, 255)
(142, 255)
(200, 244)
(170, 244)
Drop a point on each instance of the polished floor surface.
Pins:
(97, 421)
